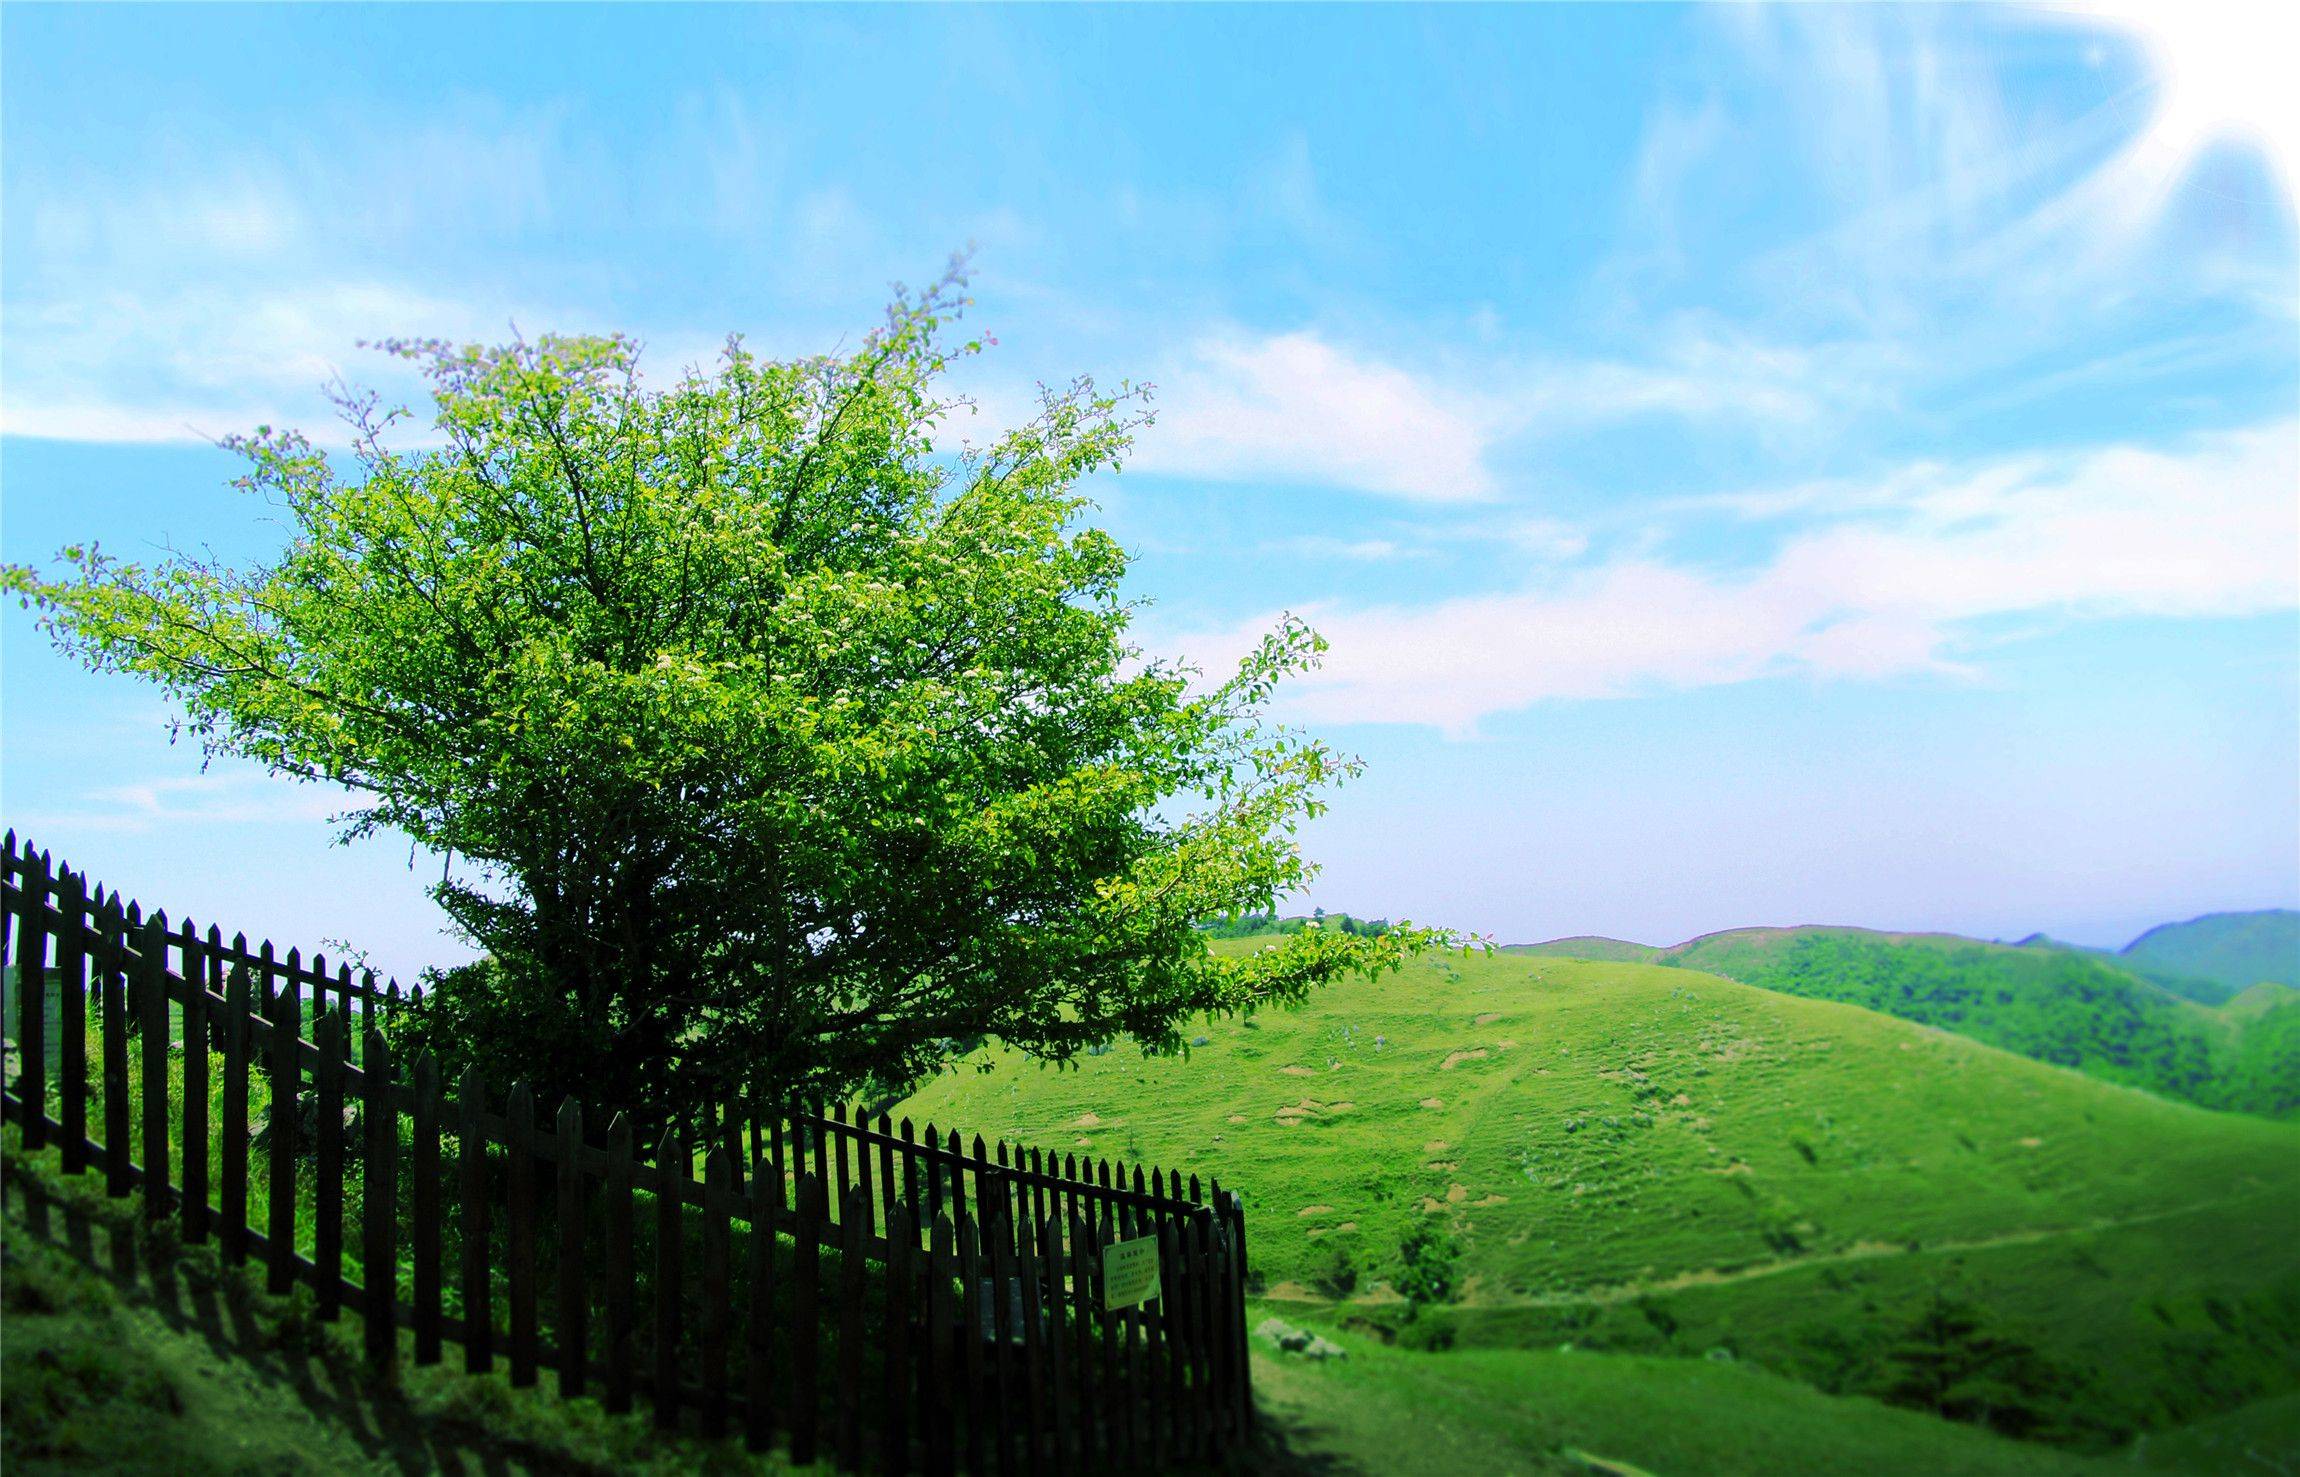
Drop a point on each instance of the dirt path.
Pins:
(1621, 1292)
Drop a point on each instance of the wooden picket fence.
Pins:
(858, 1289)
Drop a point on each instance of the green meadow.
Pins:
(1641, 1163)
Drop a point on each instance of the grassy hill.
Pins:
(1589, 946)
(2232, 950)
(1652, 1160)
(2055, 1004)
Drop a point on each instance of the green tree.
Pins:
(774, 743)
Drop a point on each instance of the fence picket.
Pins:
(327, 1174)
(31, 955)
(232, 1198)
(766, 1213)
(571, 1332)
(718, 1206)
(901, 1288)
(620, 1273)
(1081, 1335)
(282, 1124)
(935, 1376)
(1024, 1235)
(670, 1232)
(152, 1008)
(852, 1219)
(378, 1200)
(197, 967)
(970, 1327)
(425, 1211)
(72, 1021)
(519, 1274)
(1056, 1309)
(806, 1273)
(471, 1169)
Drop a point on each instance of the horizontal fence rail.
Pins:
(864, 1291)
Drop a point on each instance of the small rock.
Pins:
(1201, 1041)
(1324, 1348)
(1273, 1329)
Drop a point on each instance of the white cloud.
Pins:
(1295, 408)
(2208, 529)
(202, 799)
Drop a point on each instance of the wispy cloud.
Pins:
(165, 801)
(1888, 585)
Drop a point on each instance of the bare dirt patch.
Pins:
(1299, 1071)
(1474, 1054)
(1433, 1102)
(1447, 1165)
(1436, 1146)
(1315, 1210)
(1086, 1120)
(1488, 1018)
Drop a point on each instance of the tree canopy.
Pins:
(775, 742)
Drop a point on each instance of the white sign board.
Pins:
(1129, 1272)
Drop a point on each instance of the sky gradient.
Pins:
(1818, 465)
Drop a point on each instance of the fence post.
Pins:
(1244, 1358)
(379, 1200)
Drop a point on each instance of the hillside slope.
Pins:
(2232, 950)
(1657, 1160)
(2056, 1005)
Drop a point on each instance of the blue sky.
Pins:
(1754, 466)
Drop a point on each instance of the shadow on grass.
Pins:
(91, 1396)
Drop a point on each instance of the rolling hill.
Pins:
(1655, 1160)
(2056, 1005)
(2233, 951)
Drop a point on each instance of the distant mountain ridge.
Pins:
(2081, 1008)
(2235, 950)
